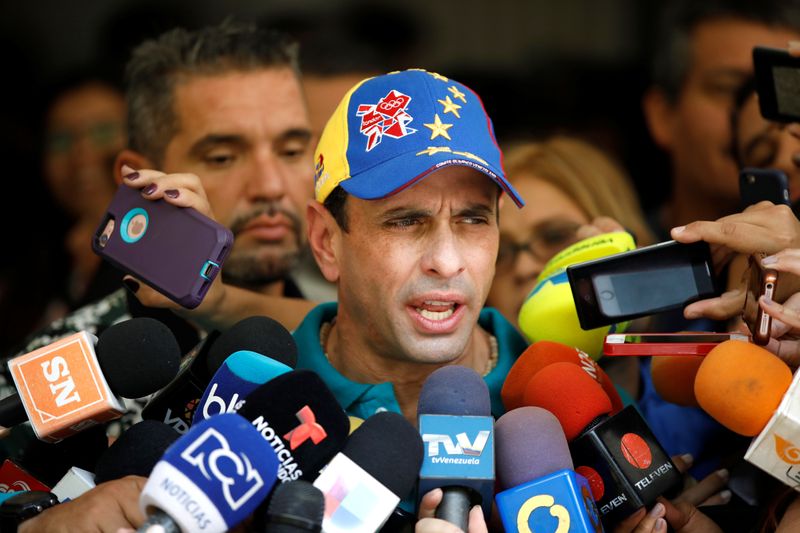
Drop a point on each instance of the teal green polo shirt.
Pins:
(364, 400)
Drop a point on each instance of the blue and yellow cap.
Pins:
(391, 131)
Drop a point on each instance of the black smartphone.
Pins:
(777, 83)
(759, 184)
(649, 280)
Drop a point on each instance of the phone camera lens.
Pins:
(103, 239)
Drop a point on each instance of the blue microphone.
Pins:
(456, 425)
(241, 373)
(541, 492)
(210, 479)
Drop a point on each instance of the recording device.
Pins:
(620, 457)
(753, 393)
(295, 507)
(761, 281)
(136, 451)
(71, 384)
(540, 355)
(176, 403)
(777, 83)
(136, 235)
(548, 312)
(377, 467)
(539, 490)
(75, 483)
(240, 374)
(661, 277)
(666, 344)
(23, 506)
(456, 424)
(759, 184)
(210, 479)
(299, 417)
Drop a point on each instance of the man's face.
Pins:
(247, 136)
(415, 268)
(720, 59)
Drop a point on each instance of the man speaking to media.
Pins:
(407, 183)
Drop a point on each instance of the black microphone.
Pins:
(176, 403)
(71, 384)
(455, 421)
(295, 507)
(136, 451)
(300, 418)
(377, 467)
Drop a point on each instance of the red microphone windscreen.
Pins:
(673, 377)
(741, 385)
(542, 354)
(570, 394)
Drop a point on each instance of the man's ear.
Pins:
(133, 159)
(324, 238)
(659, 114)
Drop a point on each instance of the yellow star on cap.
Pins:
(431, 150)
(450, 106)
(457, 94)
(438, 76)
(438, 128)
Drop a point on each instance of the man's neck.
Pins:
(355, 360)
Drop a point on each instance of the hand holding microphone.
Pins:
(429, 524)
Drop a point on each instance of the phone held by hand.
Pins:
(777, 83)
(649, 280)
(760, 282)
(176, 250)
(646, 344)
(759, 184)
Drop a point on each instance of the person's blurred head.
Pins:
(703, 54)
(566, 183)
(761, 143)
(84, 130)
(225, 103)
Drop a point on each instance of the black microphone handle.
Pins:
(455, 505)
(12, 411)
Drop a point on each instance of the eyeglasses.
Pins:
(547, 239)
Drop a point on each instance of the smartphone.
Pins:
(759, 184)
(777, 84)
(642, 282)
(760, 281)
(176, 250)
(693, 343)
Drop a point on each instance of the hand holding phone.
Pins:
(641, 282)
(760, 282)
(176, 250)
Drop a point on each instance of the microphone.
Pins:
(752, 392)
(377, 467)
(300, 418)
(210, 479)
(14, 478)
(548, 312)
(535, 474)
(673, 378)
(295, 507)
(620, 457)
(71, 384)
(240, 374)
(176, 403)
(456, 424)
(543, 353)
(136, 451)
(74, 484)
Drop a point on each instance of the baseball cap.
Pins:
(391, 131)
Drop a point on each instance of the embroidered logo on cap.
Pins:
(388, 117)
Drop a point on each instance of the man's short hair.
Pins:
(336, 204)
(158, 65)
(679, 18)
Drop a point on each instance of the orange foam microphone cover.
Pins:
(542, 354)
(740, 385)
(570, 394)
(673, 377)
